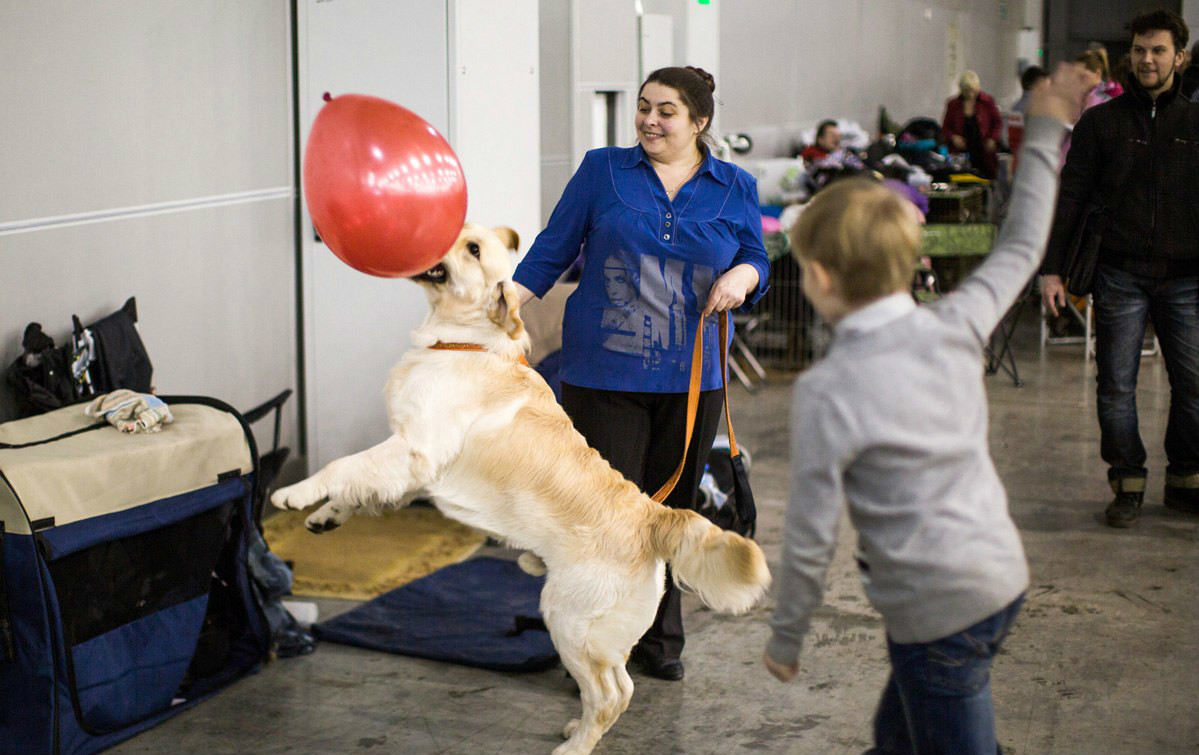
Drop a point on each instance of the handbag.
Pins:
(739, 514)
(1084, 253)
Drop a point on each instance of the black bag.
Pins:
(41, 376)
(739, 513)
(1083, 254)
(120, 359)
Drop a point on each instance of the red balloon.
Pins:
(384, 189)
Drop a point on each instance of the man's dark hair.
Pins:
(824, 125)
(1162, 20)
(1031, 76)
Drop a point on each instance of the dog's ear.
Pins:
(510, 237)
(505, 309)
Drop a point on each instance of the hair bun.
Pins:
(707, 77)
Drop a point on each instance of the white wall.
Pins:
(147, 152)
(495, 111)
(594, 45)
(557, 160)
(470, 69)
(356, 326)
(790, 63)
(1190, 14)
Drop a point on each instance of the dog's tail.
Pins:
(726, 570)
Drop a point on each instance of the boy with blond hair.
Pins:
(894, 421)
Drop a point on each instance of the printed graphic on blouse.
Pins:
(649, 299)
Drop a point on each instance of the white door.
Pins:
(495, 111)
(356, 326)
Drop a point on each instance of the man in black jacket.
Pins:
(1130, 188)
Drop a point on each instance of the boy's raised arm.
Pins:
(985, 296)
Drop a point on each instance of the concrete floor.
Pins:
(1104, 657)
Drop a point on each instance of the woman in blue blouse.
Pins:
(667, 232)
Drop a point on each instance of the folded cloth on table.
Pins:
(131, 412)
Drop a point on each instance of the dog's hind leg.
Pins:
(601, 700)
(386, 474)
(624, 687)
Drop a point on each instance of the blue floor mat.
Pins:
(482, 612)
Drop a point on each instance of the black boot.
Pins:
(1182, 493)
(1124, 509)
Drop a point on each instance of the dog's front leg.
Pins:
(386, 474)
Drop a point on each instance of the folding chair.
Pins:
(999, 350)
(1085, 317)
(743, 325)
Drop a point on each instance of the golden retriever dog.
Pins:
(479, 433)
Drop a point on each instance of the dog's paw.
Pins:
(569, 730)
(531, 563)
(570, 748)
(328, 517)
(298, 496)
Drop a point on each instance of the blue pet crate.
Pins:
(124, 590)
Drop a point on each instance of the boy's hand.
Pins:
(779, 671)
(1064, 96)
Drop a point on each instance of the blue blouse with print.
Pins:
(649, 264)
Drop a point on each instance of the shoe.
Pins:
(669, 669)
(1185, 500)
(1124, 509)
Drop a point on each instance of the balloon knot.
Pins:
(327, 97)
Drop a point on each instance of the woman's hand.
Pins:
(524, 293)
(729, 290)
(783, 673)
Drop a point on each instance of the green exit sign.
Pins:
(705, 2)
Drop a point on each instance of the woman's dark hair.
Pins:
(1162, 20)
(695, 87)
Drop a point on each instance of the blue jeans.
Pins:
(938, 698)
(1124, 303)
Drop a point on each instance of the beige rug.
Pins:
(368, 555)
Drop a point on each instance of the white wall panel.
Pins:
(127, 103)
(114, 107)
(356, 326)
(496, 111)
(786, 64)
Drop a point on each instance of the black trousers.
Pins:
(641, 436)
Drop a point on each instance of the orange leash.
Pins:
(697, 369)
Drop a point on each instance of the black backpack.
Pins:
(41, 376)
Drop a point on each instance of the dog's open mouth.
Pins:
(435, 274)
